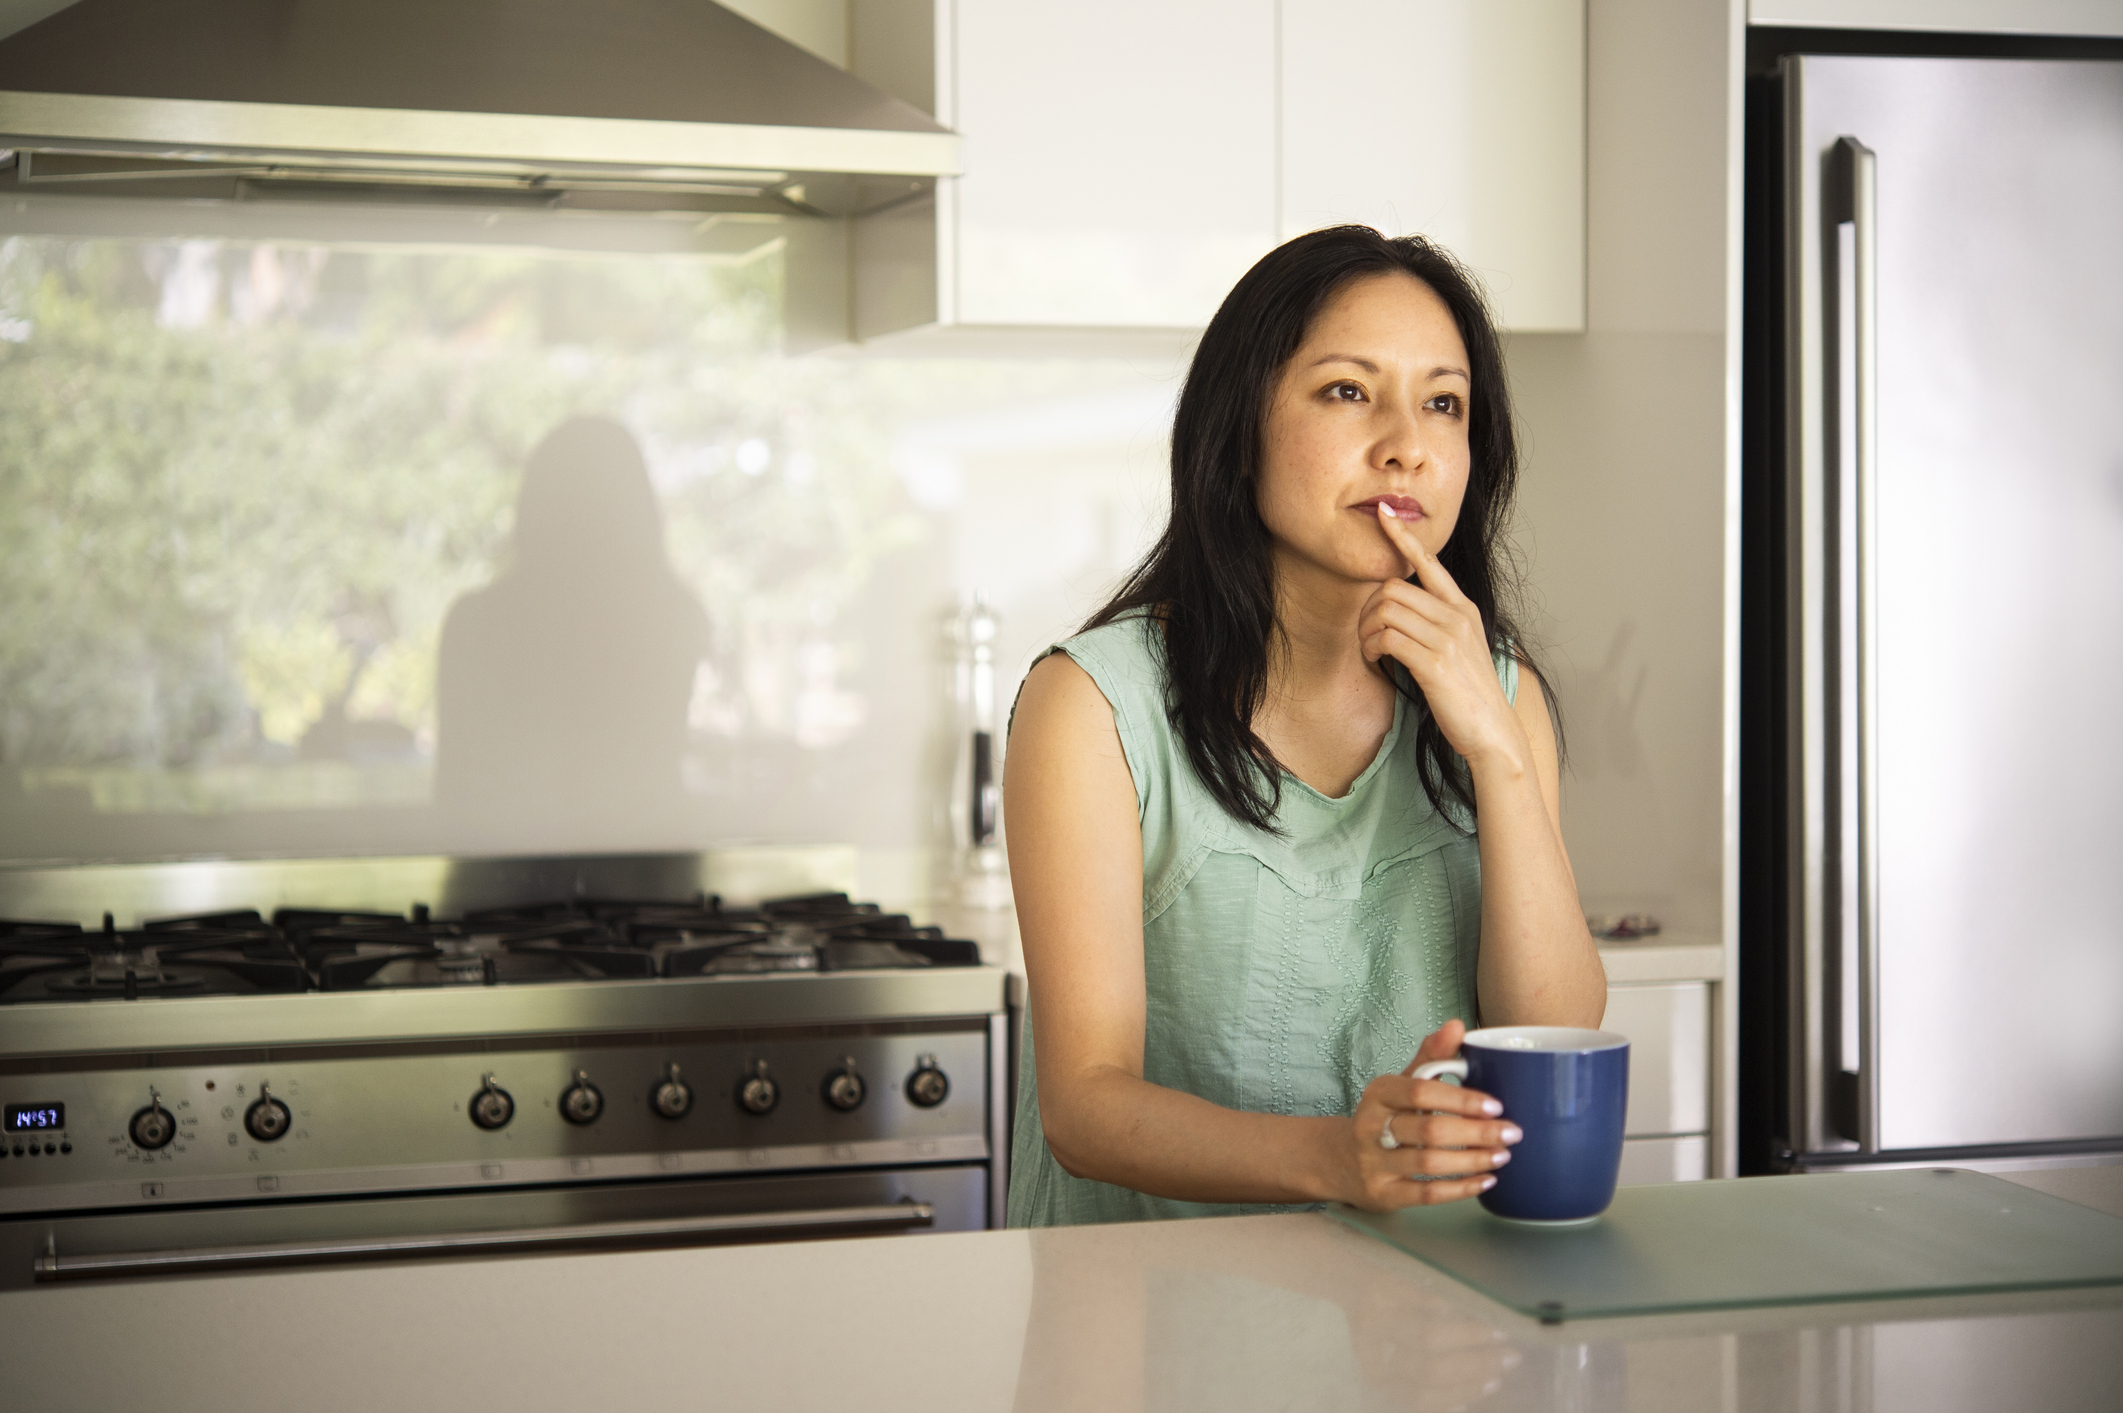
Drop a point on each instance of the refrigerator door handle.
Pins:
(1855, 165)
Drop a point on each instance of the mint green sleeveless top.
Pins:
(1282, 974)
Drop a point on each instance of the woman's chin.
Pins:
(1351, 563)
(1372, 567)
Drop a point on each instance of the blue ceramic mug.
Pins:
(1568, 1091)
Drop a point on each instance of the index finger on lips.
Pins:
(1428, 571)
(1401, 535)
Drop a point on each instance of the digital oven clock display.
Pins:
(35, 1118)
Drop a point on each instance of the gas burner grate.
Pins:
(240, 952)
(223, 955)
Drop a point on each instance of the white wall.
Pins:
(1623, 502)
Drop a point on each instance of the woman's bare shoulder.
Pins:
(1060, 703)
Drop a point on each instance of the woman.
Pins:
(1287, 806)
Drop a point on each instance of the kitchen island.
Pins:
(1272, 1312)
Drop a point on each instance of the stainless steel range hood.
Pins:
(605, 104)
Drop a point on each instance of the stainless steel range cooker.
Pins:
(361, 1059)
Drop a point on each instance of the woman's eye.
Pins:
(1345, 392)
(1448, 403)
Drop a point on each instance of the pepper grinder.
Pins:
(980, 868)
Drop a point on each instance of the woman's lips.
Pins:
(1404, 507)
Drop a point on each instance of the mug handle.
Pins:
(1457, 1068)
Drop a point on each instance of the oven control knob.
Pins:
(928, 1086)
(673, 1098)
(154, 1126)
(268, 1119)
(581, 1102)
(844, 1088)
(757, 1093)
(491, 1106)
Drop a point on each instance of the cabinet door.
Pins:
(1684, 1159)
(1669, 1055)
(1461, 120)
(1119, 158)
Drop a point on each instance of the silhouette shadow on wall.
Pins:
(562, 686)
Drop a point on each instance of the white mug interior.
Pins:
(1550, 1038)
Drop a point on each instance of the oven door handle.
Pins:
(898, 1216)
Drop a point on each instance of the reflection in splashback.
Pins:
(322, 549)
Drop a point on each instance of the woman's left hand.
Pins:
(1436, 632)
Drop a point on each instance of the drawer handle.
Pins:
(899, 1216)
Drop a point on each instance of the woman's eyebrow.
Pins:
(1364, 363)
(1443, 370)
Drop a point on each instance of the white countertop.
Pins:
(1668, 957)
(1284, 1312)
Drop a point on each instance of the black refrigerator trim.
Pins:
(1767, 45)
(1764, 914)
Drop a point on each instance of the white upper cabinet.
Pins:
(1120, 158)
(1126, 162)
(1461, 120)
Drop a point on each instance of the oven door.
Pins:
(176, 1241)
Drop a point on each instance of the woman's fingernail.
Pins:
(1512, 1133)
(1487, 1183)
(1388, 511)
(1492, 1108)
(1500, 1157)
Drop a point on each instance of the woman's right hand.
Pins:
(1450, 1140)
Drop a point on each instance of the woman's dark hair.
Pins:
(1210, 578)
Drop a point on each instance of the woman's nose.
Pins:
(1400, 444)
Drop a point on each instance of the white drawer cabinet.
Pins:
(1669, 1055)
(1682, 1159)
(1669, 1029)
(1126, 162)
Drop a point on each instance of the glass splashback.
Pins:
(275, 577)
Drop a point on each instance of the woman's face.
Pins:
(1373, 406)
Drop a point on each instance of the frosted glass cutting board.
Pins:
(1769, 1241)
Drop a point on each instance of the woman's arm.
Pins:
(1076, 868)
(1538, 963)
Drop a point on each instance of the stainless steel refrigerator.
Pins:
(1935, 697)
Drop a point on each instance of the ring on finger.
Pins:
(1386, 1140)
